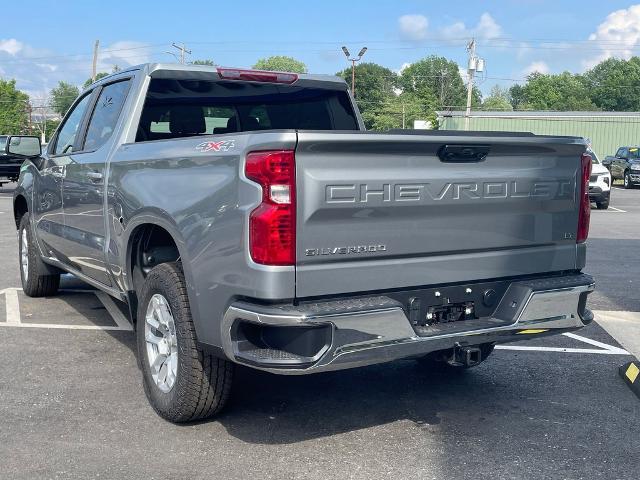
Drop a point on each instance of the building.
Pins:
(605, 130)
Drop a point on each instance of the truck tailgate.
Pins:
(379, 211)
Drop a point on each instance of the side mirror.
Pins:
(24, 146)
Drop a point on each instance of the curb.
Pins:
(630, 373)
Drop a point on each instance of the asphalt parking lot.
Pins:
(72, 403)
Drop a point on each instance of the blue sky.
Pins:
(42, 42)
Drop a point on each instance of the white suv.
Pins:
(599, 183)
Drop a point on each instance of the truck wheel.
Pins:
(34, 283)
(602, 205)
(437, 361)
(181, 381)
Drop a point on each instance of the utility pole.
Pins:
(95, 61)
(353, 61)
(475, 65)
(471, 69)
(183, 50)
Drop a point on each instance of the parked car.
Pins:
(625, 166)
(599, 183)
(13, 151)
(247, 218)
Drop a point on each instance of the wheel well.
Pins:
(19, 209)
(150, 245)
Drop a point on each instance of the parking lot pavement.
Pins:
(72, 404)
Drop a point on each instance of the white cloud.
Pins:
(486, 29)
(413, 27)
(616, 36)
(11, 46)
(538, 66)
(403, 67)
(37, 70)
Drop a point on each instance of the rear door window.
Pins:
(105, 114)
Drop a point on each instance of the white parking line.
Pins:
(114, 311)
(603, 350)
(561, 350)
(617, 209)
(12, 305)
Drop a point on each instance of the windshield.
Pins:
(634, 152)
(594, 158)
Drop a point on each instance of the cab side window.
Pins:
(105, 114)
(67, 133)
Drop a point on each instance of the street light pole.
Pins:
(353, 61)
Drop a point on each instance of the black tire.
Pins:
(39, 282)
(203, 382)
(602, 205)
(436, 361)
(627, 181)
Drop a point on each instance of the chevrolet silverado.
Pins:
(246, 217)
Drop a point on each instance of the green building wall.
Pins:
(606, 132)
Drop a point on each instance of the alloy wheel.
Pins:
(162, 343)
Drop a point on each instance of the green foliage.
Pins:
(498, 99)
(203, 62)
(398, 111)
(561, 92)
(89, 81)
(437, 78)
(281, 63)
(63, 96)
(615, 84)
(14, 109)
(375, 85)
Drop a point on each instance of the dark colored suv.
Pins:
(625, 165)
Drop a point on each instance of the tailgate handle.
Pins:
(463, 153)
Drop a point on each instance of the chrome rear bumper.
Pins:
(372, 330)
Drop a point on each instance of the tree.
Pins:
(63, 96)
(14, 109)
(614, 84)
(517, 97)
(375, 85)
(398, 111)
(562, 92)
(437, 78)
(498, 99)
(281, 63)
(89, 81)
(203, 62)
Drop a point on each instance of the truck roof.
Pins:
(186, 70)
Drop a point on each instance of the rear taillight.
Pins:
(257, 75)
(584, 213)
(272, 225)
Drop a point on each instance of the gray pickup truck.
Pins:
(247, 218)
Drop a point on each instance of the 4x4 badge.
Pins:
(221, 146)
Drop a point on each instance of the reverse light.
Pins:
(584, 212)
(272, 225)
(257, 75)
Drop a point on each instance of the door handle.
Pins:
(94, 176)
